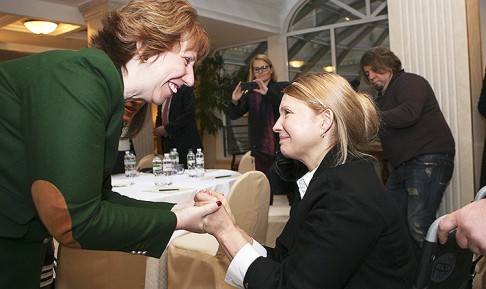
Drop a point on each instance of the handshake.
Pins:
(209, 212)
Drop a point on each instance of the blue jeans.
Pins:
(417, 186)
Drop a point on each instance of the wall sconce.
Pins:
(296, 63)
(328, 68)
(40, 27)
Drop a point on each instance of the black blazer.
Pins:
(182, 127)
(345, 233)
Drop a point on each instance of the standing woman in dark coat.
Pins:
(262, 104)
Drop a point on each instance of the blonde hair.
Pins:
(355, 113)
(265, 58)
(159, 25)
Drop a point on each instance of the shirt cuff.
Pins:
(259, 248)
(240, 264)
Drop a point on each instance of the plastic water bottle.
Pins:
(191, 163)
(130, 163)
(158, 170)
(133, 164)
(126, 162)
(174, 156)
(168, 168)
(199, 163)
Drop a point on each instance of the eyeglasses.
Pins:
(260, 69)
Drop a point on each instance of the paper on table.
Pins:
(122, 183)
(167, 189)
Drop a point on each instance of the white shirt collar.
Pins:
(303, 182)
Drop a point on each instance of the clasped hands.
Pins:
(220, 221)
(208, 213)
(222, 224)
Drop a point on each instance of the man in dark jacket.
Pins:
(415, 138)
(179, 129)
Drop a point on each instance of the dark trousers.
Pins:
(21, 263)
(417, 186)
(264, 165)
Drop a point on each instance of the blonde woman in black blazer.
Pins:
(346, 231)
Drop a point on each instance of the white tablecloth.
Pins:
(182, 189)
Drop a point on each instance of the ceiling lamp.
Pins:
(328, 68)
(40, 27)
(296, 63)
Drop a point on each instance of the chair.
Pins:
(145, 162)
(81, 269)
(445, 266)
(197, 260)
(247, 163)
(278, 215)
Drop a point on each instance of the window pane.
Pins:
(353, 41)
(309, 53)
(325, 12)
(342, 31)
(237, 58)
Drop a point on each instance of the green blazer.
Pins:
(60, 122)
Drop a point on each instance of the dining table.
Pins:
(182, 189)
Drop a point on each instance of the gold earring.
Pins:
(142, 58)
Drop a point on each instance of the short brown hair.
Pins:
(355, 113)
(159, 25)
(381, 59)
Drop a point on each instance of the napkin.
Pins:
(122, 183)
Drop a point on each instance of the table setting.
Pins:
(183, 188)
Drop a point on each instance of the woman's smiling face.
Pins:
(298, 128)
(159, 77)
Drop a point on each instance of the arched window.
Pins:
(331, 35)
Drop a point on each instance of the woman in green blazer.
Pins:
(60, 122)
